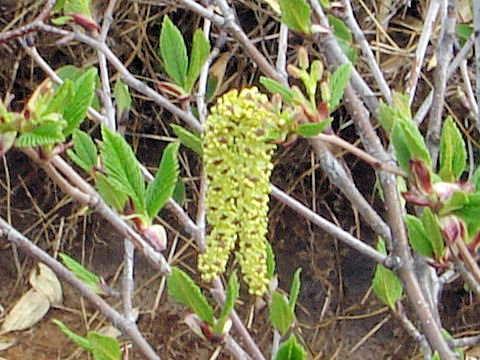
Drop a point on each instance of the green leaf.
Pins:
(455, 202)
(161, 188)
(78, 6)
(188, 139)
(122, 168)
(290, 350)
(464, 32)
(401, 102)
(275, 87)
(109, 193)
(62, 97)
(430, 224)
(185, 291)
(173, 52)
(75, 110)
(386, 284)
(312, 129)
(122, 97)
(470, 212)
(87, 277)
(475, 180)
(281, 314)
(233, 288)
(270, 260)
(104, 347)
(198, 56)
(418, 237)
(59, 5)
(45, 134)
(179, 192)
(436, 356)
(77, 339)
(387, 116)
(295, 289)
(84, 152)
(296, 15)
(340, 30)
(338, 82)
(453, 154)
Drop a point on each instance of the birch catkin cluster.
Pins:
(238, 167)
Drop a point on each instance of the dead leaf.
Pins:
(7, 342)
(46, 282)
(110, 331)
(28, 310)
(274, 5)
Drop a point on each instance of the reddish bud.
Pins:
(421, 176)
(85, 22)
(156, 236)
(453, 228)
(445, 189)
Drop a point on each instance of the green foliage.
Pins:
(161, 188)
(48, 133)
(295, 289)
(77, 339)
(270, 261)
(233, 288)
(464, 32)
(185, 291)
(109, 193)
(75, 110)
(188, 139)
(122, 168)
(275, 87)
(475, 180)
(174, 54)
(453, 153)
(104, 347)
(430, 224)
(290, 350)
(281, 314)
(312, 129)
(386, 284)
(344, 38)
(296, 15)
(100, 346)
(122, 97)
(418, 237)
(338, 82)
(179, 192)
(198, 57)
(87, 277)
(78, 6)
(84, 152)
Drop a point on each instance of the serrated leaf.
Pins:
(173, 52)
(290, 350)
(62, 97)
(75, 110)
(338, 82)
(77, 339)
(109, 193)
(198, 56)
(275, 87)
(432, 228)
(84, 152)
(418, 237)
(122, 168)
(453, 154)
(87, 277)
(401, 103)
(281, 314)
(161, 188)
(188, 139)
(185, 291)
(340, 30)
(386, 284)
(233, 287)
(295, 289)
(270, 260)
(296, 15)
(409, 143)
(312, 129)
(122, 97)
(78, 6)
(104, 347)
(45, 134)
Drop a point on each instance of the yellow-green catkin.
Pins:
(238, 167)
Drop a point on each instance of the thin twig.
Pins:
(110, 313)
